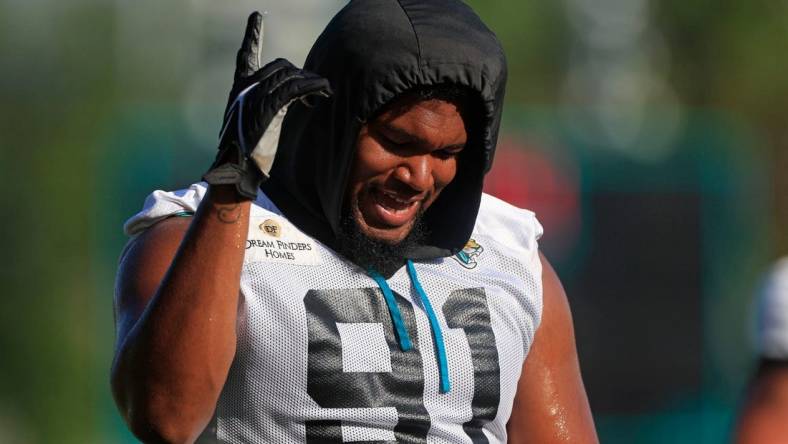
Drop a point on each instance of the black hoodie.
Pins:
(371, 52)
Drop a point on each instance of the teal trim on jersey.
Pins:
(183, 214)
(396, 316)
(443, 364)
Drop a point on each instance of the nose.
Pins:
(416, 172)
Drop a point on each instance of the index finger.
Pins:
(248, 59)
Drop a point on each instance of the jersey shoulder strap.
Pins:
(163, 204)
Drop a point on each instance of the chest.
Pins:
(318, 352)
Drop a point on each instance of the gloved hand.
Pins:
(255, 110)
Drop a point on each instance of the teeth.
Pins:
(397, 199)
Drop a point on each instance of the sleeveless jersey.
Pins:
(317, 356)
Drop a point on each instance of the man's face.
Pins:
(404, 159)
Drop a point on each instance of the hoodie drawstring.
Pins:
(401, 330)
(437, 335)
(396, 316)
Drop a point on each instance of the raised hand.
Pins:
(257, 105)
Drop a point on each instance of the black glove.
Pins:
(255, 110)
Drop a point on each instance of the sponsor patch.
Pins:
(467, 256)
(276, 240)
(271, 227)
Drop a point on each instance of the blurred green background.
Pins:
(649, 137)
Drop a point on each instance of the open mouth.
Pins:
(391, 209)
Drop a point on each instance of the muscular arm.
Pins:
(175, 312)
(764, 418)
(551, 404)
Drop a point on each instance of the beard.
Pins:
(383, 257)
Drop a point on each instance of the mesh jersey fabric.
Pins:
(317, 359)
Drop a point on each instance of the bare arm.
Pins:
(764, 418)
(175, 310)
(551, 404)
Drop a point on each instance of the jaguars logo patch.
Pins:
(467, 257)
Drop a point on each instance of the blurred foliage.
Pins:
(728, 55)
(56, 95)
(74, 162)
(535, 38)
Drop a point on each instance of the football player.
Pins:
(764, 416)
(339, 276)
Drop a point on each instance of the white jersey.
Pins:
(773, 313)
(317, 356)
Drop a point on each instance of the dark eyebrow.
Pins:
(412, 138)
(389, 128)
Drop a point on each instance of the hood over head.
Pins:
(371, 52)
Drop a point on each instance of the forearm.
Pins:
(173, 362)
